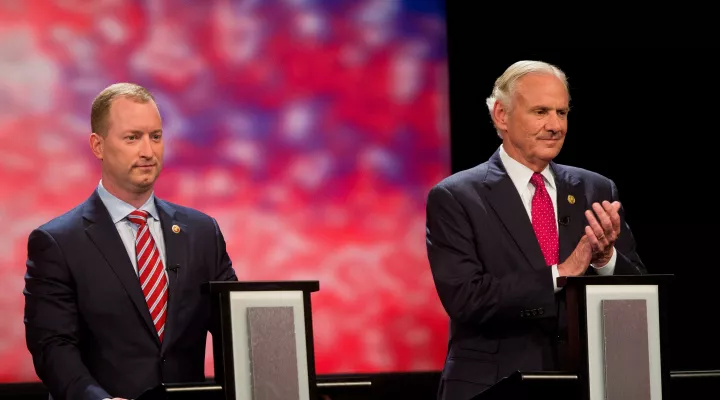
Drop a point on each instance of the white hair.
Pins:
(505, 85)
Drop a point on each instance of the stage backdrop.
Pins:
(312, 130)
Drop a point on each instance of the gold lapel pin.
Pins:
(571, 199)
(176, 229)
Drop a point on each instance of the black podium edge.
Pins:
(249, 286)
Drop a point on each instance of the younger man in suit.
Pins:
(113, 295)
(499, 235)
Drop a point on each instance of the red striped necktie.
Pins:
(151, 271)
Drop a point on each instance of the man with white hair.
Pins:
(499, 235)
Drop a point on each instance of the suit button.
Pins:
(541, 311)
(522, 314)
(534, 312)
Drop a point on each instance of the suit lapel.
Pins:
(175, 234)
(571, 207)
(506, 202)
(104, 235)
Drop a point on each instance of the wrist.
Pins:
(604, 259)
(562, 270)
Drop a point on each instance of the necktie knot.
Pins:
(537, 180)
(138, 217)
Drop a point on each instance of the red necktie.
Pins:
(543, 221)
(151, 271)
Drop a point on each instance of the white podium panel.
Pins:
(275, 379)
(622, 329)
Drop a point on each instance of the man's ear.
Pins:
(97, 145)
(500, 115)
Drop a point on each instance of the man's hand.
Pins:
(603, 231)
(579, 260)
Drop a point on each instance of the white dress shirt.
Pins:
(520, 176)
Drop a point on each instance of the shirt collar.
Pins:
(520, 174)
(119, 209)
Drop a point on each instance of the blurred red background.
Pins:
(312, 131)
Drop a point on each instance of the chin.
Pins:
(549, 154)
(145, 182)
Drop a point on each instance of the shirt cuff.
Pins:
(609, 268)
(555, 275)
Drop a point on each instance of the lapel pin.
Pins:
(571, 199)
(176, 229)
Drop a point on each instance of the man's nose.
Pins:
(146, 150)
(554, 123)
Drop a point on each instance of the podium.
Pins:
(617, 329)
(264, 349)
(262, 344)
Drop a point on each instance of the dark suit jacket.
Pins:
(87, 324)
(491, 276)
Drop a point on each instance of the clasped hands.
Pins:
(596, 246)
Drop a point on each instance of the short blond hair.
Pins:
(505, 84)
(101, 105)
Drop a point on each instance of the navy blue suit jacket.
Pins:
(491, 276)
(87, 324)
